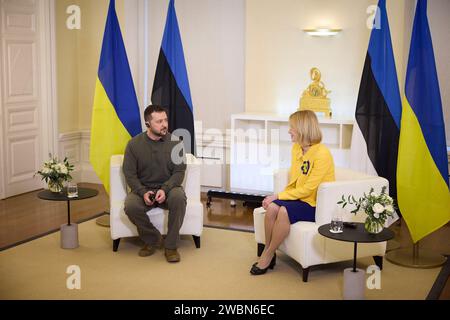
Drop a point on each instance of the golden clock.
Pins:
(315, 96)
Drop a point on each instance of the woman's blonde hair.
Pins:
(307, 126)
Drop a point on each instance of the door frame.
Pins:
(49, 80)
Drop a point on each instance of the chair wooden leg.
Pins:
(196, 241)
(116, 245)
(260, 249)
(378, 261)
(305, 274)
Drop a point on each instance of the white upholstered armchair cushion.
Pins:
(122, 227)
(304, 244)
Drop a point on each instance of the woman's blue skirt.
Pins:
(298, 210)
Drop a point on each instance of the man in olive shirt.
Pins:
(154, 167)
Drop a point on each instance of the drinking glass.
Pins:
(337, 223)
(72, 190)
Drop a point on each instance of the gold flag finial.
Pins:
(315, 96)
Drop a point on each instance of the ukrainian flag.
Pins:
(422, 172)
(115, 117)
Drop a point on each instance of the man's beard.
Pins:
(161, 133)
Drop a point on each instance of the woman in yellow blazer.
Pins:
(311, 165)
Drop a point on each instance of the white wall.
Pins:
(279, 54)
(213, 35)
(78, 55)
(248, 55)
(253, 55)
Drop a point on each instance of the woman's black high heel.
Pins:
(258, 271)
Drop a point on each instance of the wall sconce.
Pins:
(322, 32)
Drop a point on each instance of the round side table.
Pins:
(354, 279)
(69, 231)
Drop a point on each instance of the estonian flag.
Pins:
(115, 118)
(378, 110)
(422, 174)
(171, 86)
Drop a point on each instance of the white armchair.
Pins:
(304, 244)
(122, 227)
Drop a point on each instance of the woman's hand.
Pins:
(268, 200)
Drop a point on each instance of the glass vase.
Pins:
(372, 226)
(55, 186)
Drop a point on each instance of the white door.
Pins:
(26, 99)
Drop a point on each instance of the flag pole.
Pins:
(414, 257)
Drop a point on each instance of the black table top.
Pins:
(358, 234)
(83, 193)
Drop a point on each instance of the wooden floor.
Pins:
(26, 217)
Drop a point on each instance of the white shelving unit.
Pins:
(260, 144)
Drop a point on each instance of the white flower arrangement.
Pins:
(55, 172)
(377, 206)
